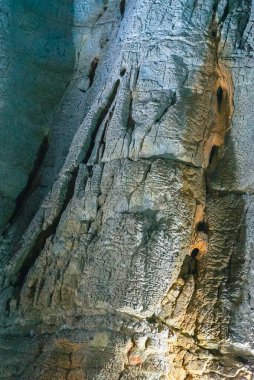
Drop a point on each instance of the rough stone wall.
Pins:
(132, 256)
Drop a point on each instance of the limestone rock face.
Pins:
(127, 210)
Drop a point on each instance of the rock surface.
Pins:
(127, 199)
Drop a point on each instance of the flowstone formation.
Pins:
(128, 254)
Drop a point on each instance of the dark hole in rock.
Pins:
(173, 100)
(122, 7)
(214, 153)
(215, 6)
(92, 70)
(194, 253)
(202, 227)
(122, 72)
(151, 319)
(242, 359)
(219, 98)
(214, 33)
(214, 352)
(193, 270)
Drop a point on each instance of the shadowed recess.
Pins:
(40, 38)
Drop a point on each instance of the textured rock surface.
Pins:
(98, 275)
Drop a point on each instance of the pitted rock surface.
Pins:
(126, 201)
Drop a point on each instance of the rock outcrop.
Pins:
(128, 210)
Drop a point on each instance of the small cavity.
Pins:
(215, 6)
(122, 7)
(242, 359)
(213, 154)
(214, 352)
(219, 98)
(202, 227)
(194, 253)
(152, 319)
(92, 70)
(214, 33)
(122, 72)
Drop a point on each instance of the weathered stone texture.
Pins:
(130, 253)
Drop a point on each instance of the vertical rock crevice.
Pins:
(39, 242)
(33, 181)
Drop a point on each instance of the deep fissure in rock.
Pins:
(130, 121)
(32, 182)
(41, 240)
(213, 154)
(225, 13)
(92, 71)
(194, 253)
(99, 121)
(44, 235)
(122, 7)
(219, 98)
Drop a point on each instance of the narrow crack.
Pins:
(41, 240)
(92, 71)
(32, 182)
(122, 7)
(101, 117)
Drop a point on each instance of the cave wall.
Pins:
(131, 258)
(48, 50)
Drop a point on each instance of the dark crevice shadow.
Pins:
(122, 7)
(41, 241)
(202, 227)
(101, 117)
(92, 71)
(219, 98)
(32, 183)
(43, 235)
(42, 64)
